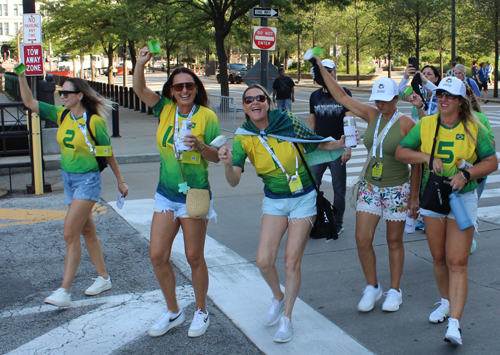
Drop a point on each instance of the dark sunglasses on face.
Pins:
(65, 93)
(178, 87)
(441, 94)
(250, 99)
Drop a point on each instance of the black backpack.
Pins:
(103, 163)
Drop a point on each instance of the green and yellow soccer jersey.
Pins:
(194, 166)
(275, 181)
(76, 156)
(453, 143)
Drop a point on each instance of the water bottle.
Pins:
(410, 225)
(461, 216)
(185, 129)
(350, 132)
(463, 164)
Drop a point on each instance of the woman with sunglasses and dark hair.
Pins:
(81, 175)
(290, 196)
(457, 134)
(183, 103)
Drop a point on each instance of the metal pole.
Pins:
(336, 34)
(453, 37)
(264, 55)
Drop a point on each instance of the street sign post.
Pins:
(32, 29)
(32, 57)
(264, 38)
(264, 12)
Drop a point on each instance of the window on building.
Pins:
(1, 29)
(6, 29)
(16, 12)
(5, 10)
(16, 27)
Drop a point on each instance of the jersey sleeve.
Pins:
(486, 123)
(413, 140)
(158, 107)
(484, 148)
(212, 129)
(50, 112)
(239, 153)
(100, 131)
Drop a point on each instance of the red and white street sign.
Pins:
(33, 59)
(264, 38)
(32, 29)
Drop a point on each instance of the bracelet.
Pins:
(465, 175)
(421, 106)
(121, 182)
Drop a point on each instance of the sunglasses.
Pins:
(180, 86)
(259, 98)
(65, 93)
(441, 94)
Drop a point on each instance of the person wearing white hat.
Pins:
(454, 134)
(388, 189)
(326, 118)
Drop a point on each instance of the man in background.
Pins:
(283, 91)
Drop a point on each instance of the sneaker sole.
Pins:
(277, 318)
(371, 309)
(197, 333)
(391, 310)
(453, 340)
(439, 320)
(57, 304)
(95, 293)
(171, 325)
(278, 340)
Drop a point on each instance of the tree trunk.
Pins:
(168, 61)
(441, 68)
(389, 52)
(207, 62)
(133, 53)
(82, 59)
(285, 62)
(110, 54)
(299, 58)
(92, 67)
(347, 59)
(221, 56)
(357, 53)
(417, 39)
(495, 76)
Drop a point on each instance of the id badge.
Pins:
(295, 184)
(191, 158)
(103, 151)
(377, 171)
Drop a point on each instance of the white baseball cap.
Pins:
(384, 89)
(328, 63)
(453, 85)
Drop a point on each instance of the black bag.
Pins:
(438, 188)
(324, 227)
(103, 163)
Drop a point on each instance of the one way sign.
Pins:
(260, 12)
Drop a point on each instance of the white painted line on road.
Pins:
(489, 214)
(120, 320)
(239, 290)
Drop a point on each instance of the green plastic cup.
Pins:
(20, 68)
(317, 51)
(408, 90)
(154, 46)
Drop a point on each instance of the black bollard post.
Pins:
(116, 120)
(125, 97)
(131, 98)
(143, 106)
(137, 103)
(121, 95)
(116, 97)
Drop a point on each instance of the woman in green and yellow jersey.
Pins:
(460, 135)
(184, 164)
(81, 129)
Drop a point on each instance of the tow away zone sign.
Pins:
(32, 58)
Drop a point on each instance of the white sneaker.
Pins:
(59, 298)
(99, 285)
(273, 315)
(200, 323)
(285, 331)
(371, 295)
(167, 321)
(441, 313)
(454, 333)
(393, 300)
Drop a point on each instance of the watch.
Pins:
(201, 147)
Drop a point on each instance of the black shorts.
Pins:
(483, 86)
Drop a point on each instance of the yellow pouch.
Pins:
(377, 171)
(295, 184)
(191, 158)
(103, 151)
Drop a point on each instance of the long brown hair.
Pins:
(91, 100)
(272, 106)
(201, 97)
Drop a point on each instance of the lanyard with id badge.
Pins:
(179, 148)
(377, 166)
(98, 150)
(294, 182)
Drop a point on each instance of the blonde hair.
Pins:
(91, 100)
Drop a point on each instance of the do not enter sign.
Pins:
(264, 38)
(33, 59)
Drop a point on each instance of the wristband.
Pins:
(121, 182)
(465, 175)
(421, 106)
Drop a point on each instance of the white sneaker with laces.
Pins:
(393, 300)
(59, 298)
(273, 315)
(100, 285)
(453, 333)
(441, 313)
(200, 323)
(371, 294)
(285, 331)
(167, 321)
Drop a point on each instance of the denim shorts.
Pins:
(470, 202)
(82, 186)
(163, 204)
(294, 207)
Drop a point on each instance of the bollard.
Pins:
(112, 92)
(107, 91)
(116, 121)
(150, 110)
(137, 103)
(116, 96)
(131, 98)
(121, 95)
(143, 106)
(125, 97)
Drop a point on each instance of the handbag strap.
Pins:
(307, 168)
(431, 161)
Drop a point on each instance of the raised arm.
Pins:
(364, 111)
(26, 94)
(146, 95)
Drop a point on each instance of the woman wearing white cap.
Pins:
(387, 190)
(455, 133)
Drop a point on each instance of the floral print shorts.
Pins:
(390, 203)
